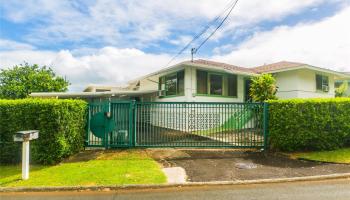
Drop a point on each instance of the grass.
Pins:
(111, 168)
(336, 156)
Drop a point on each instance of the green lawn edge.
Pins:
(341, 156)
(129, 168)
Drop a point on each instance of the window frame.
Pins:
(163, 81)
(322, 83)
(224, 84)
(209, 84)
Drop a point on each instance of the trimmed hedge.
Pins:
(61, 124)
(312, 124)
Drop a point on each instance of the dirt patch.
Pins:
(221, 165)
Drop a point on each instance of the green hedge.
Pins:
(61, 124)
(313, 124)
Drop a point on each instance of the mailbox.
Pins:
(22, 136)
(25, 137)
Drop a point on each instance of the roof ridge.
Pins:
(222, 65)
(277, 66)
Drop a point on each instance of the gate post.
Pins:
(132, 124)
(106, 110)
(88, 128)
(266, 125)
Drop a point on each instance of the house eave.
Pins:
(338, 74)
(191, 64)
(207, 67)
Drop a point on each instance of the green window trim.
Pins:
(225, 82)
(172, 84)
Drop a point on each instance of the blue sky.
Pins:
(113, 41)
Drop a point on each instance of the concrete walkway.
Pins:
(175, 174)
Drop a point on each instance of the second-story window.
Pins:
(173, 84)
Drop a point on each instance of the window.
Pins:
(181, 83)
(172, 84)
(216, 84)
(202, 82)
(322, 83)
(232, 85)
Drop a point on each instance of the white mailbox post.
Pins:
(25, 137)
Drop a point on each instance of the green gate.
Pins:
(110, 124)
(177, 124)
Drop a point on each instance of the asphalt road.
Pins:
(319, 190)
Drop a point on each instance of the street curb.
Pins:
(160, 186)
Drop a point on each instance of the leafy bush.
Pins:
(61, 124)
(340, 91)
(263, 88)
(313, 124)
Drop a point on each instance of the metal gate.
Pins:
(110, 124)
(177, 124)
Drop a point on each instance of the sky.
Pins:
(109, 42)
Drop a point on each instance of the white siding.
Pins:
(301, 84)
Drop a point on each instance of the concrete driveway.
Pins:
(227, 165)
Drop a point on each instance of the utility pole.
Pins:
(193, 51)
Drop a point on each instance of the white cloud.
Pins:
(6, 45)
(108, 65)
(138, 23)
(325, 44)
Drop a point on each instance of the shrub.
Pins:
(61, 124)
(263, 88)
(313, 124)
(340, 91)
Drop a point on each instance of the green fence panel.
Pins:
(177, 124)
(182, 124)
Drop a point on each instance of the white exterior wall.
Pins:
(301, 83)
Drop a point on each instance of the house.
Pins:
(209, 81)
(197, 81)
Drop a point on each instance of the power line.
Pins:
(203, 30)
(222, 22)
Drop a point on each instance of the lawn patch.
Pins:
(118, 168)
(335, 156)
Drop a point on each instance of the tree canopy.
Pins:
(263, 88)
(21, 80)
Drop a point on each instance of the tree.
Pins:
(263, 88)
(340, 91)
(23, 79)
